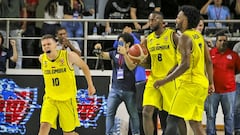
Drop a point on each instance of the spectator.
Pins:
(200, 28)
(31, 6)
(7, 53)
(216, 11)
(14, 9)
(169, 14)
(225, 64)
(30, 46)
(196, 3)
(235, 9)
(51, 11)
(116, 9)
(75, 9)
(140, 9)
(64, 43)
(236, 48)
(123, 84)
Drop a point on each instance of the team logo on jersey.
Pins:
(165, 38)
(16, 106)
(61, 61)
(229, 57)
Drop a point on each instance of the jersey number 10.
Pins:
(55, 81)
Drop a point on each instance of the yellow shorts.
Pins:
(160, 98)
(188, 102)
(66, 110)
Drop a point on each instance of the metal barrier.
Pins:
(86, 37)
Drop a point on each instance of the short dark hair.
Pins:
(192, 14)
(127, 38)
(48, 36)
(221, 34)
(158, 13)
(60, 28)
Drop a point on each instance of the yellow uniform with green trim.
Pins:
(189, 100)
(162, 51)
(60, 92)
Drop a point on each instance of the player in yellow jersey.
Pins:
(194, 72)
(60, 87)
(162, 50)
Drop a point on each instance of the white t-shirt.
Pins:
(75, 45)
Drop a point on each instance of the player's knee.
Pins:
(148, 111)
(45, 126)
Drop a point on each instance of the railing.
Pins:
(86, 38)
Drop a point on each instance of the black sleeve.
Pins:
(107, 10)
(9, 55)
(133, 3)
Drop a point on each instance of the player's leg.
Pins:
(172, 125)
(44, 128)
(68, 116)
(152, 99)
(182, 127)
(163, 120)
(148, 124)
(48, 116)
(197, 127)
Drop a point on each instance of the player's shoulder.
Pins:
(185, 39)
(40, 57)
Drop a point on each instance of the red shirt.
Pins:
(32, 1)
(225, 66)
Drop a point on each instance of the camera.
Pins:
(97, 51)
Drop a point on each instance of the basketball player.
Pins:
(161, 44)
(60, 87)
(193, 58)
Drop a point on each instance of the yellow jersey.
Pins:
(162, 51)
(59, 77)
(196, 72)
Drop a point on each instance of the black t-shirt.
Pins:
(169, 9)
(128, 82)
(145, 7)
(119, 9)
(5, 54)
